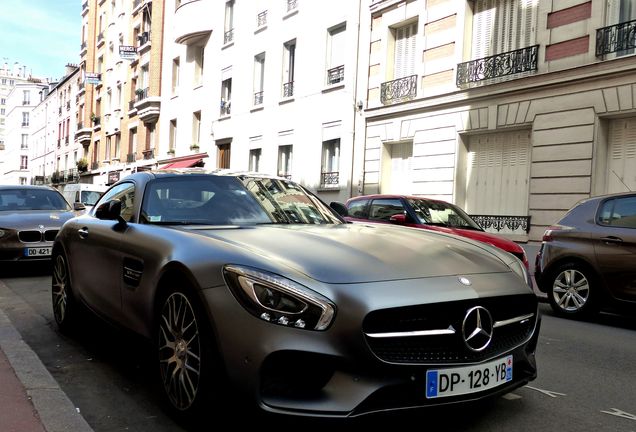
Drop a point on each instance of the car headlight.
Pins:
(278, 300)
(520, 269)
(1, 233)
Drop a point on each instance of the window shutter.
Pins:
(405, 41)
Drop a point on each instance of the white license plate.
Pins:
(468, 379)
(43, 251)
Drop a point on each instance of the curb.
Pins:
(56, 411)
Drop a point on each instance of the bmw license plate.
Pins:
(43, 251)
(468, 379)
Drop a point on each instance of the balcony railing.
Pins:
(498, 65)
(498, 223)
(143, 38)
(261, 19)
(288, 89)
(97, 121)
(398, 90)
(26, 102)
(229, 36)
(25, 124)
(329, 179)
(335, 75)
(292, 5)
(83, 46)
(131, 157)
(258, 98)
(226, 107)
(149, 154)
(142, 94)
(616, 38)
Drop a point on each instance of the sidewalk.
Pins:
(30, 398)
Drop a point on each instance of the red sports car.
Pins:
(425, 213)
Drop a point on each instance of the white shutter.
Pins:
(405, 41)
(337, 48)
(622, 156)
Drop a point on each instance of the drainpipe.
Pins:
(356, 111)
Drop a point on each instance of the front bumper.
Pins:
(336, 373)
(18, 251)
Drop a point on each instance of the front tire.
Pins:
(65, 308)
(572, 291)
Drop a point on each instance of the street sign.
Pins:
(92, 78)
(127, 52)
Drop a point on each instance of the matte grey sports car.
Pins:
(30, 217)
(253, 283)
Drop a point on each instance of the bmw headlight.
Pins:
(278, 300)
(520, 269)
(1, 233)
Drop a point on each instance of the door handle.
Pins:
(83, 232)
(612, 239)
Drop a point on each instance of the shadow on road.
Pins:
(25, 269)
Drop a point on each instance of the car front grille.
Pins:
(450, 347)
(49, 235)
(30, 236)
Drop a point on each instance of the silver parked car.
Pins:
(30, 217)
(254, 283)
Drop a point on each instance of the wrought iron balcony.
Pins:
(229, 36)
(329, 179)
(292, 5)
(141, 94)
(26, 102)
(97, 121)
(616, 38)
(131, 157)
(143, 38)
(226, 107)
(498, 65)
(288, 89)
(100, 37)
(398, 90)
(499, 222)
(335, 75)
(261, 19)
(258, 98)
(25, 124)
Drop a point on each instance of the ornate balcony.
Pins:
(192, 21)
(258, 98)
(228, 37)
(335, 75)
(288, 89)
(261, 19)
(131, 157)
(398, 90)
(329, 180)
(616, 38)
(502, 223)
(83, 134)
(292, 5)
(498, 66)
(148, 107)
(149, 154)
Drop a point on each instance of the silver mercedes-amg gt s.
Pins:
(251, 282)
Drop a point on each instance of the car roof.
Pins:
(26, 187)
(605, 196)
(392, 196)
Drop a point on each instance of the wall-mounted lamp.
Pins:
(359, 105)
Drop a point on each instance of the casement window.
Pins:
(330, 175)
(175, 74)
(197, 54)
(336, 54)
(259, 78)
(284, 161)
(500, 26)
(117, 140)
(172, 141)
(229, 22)
(25, 142)
(255, 159)
(620, 11)
(289, 61)
(404, 50)
(24, 162)
(226, 96)
(196, 128)
(108, 147)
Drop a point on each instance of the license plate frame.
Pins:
(456, 381)
(37, 251)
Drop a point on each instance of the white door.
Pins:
(621, 159)
(498, 174)
(396, 173)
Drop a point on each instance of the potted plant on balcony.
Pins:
(82, 165)
(194, 147)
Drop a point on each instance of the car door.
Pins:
(615, 245)
(95, 255)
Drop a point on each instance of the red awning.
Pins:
(183, 163)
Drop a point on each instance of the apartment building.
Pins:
(119, 103)
(513, 109)
(53, 151)
(266, 86)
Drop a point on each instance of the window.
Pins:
(25, 142)
(2, 111)
(289, 60)
(26, 97)
(229, 22)
(198, 64)
(145, 80)
(132, 143)
(255, 158)
(620, 12)
(173, 135)
(124, 192)
(118, 100)
(357, 208)
(619, 212)
(23, 180)
(24, 162)
(96, 153)
(226, 96)
(196, 128)
(284, 161)
(404, 54)
(223, 155)
(336, 54)
(108, 144)
(150, 138)
(25, 119)
(383, 209)
(117, 145)
(330, 163)
(175, 75)
(259, 78)
(3, 101)
(100, 63)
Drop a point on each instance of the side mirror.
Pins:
(339, 208)
(110, 210)
(77, 206)
(399, 219)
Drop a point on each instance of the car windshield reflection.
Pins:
(223, 200)
(31, 199)
(442, 214)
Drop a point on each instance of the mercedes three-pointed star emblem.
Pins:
(477, 328)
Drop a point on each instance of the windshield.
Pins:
(442, 213)
(221, 200)
(90, 197)
(31, 199)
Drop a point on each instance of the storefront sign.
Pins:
(128, 52)
(92, 78)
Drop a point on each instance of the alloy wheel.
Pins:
(179, 351)
(59, 289)
(571, 290)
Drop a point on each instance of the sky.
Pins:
(43, 35)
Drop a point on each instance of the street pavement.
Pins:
(31, 399)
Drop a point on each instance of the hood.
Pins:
(31, 219)
(493, 239)
(357, 253)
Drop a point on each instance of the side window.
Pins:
(124, 192)
(619, 212)
(383, 209)
(356, 208)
